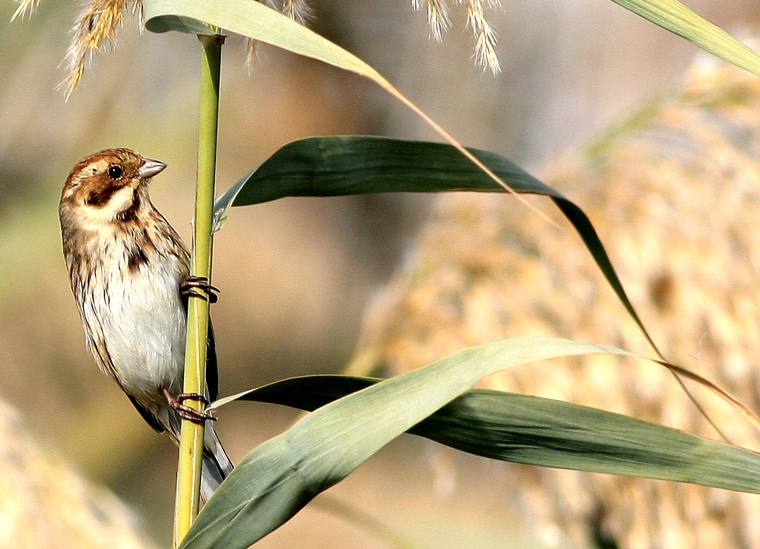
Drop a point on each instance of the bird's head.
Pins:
(110, 185)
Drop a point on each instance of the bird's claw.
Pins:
(189, 286)
(186, 412)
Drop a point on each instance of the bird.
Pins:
(130, 275)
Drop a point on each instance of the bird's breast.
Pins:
(142, 320)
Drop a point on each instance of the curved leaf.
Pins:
(250, 18)
(178, 23)
(354, 164)
(279, 477)
(552, 433)
(673, 16)
(343, 165)
(254, 20)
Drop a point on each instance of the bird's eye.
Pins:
(115, 172)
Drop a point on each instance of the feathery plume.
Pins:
(297, 10)
(24, 7)
(96, 26)
(485, 35)
(437, 15)
(94, 30)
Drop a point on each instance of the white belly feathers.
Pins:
(146, 309)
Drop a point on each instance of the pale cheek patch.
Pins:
(121, 200)
(118, 201)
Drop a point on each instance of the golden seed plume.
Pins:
(24, 7)
(96, 26)
(438, 16)
(485, 35)
(297, 10)
(95, 30)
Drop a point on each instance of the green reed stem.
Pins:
(191, 446)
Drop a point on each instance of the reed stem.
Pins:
(191, 443)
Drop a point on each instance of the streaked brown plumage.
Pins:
(126, 267)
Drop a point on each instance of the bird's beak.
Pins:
(150, 168)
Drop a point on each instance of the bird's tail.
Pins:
(216, 463)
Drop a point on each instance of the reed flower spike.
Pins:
(94, 30)
(96, 26)
(485, 35)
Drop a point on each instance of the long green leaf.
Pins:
(551, 433)
(353, 164)
(279, 477)
(282, 475)
(253, 19)
(249, 18)
(678, 19)
(357, 164)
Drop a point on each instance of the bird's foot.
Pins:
(185, 411)
(191, 284)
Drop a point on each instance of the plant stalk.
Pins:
(191, 442)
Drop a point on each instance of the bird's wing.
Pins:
(212, 373)
(147, 415)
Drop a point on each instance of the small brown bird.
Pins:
(129, 271)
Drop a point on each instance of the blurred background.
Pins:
(297, 274)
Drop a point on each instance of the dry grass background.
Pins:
(45, 503)
(674, 192)
(296, 275)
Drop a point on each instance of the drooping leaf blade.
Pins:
(282, 475)
(680, 20)
(254, 20)
(344, 165)
(539, 431)
(353, 164)
(249, 18)
(177, 23)
(275, 480)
